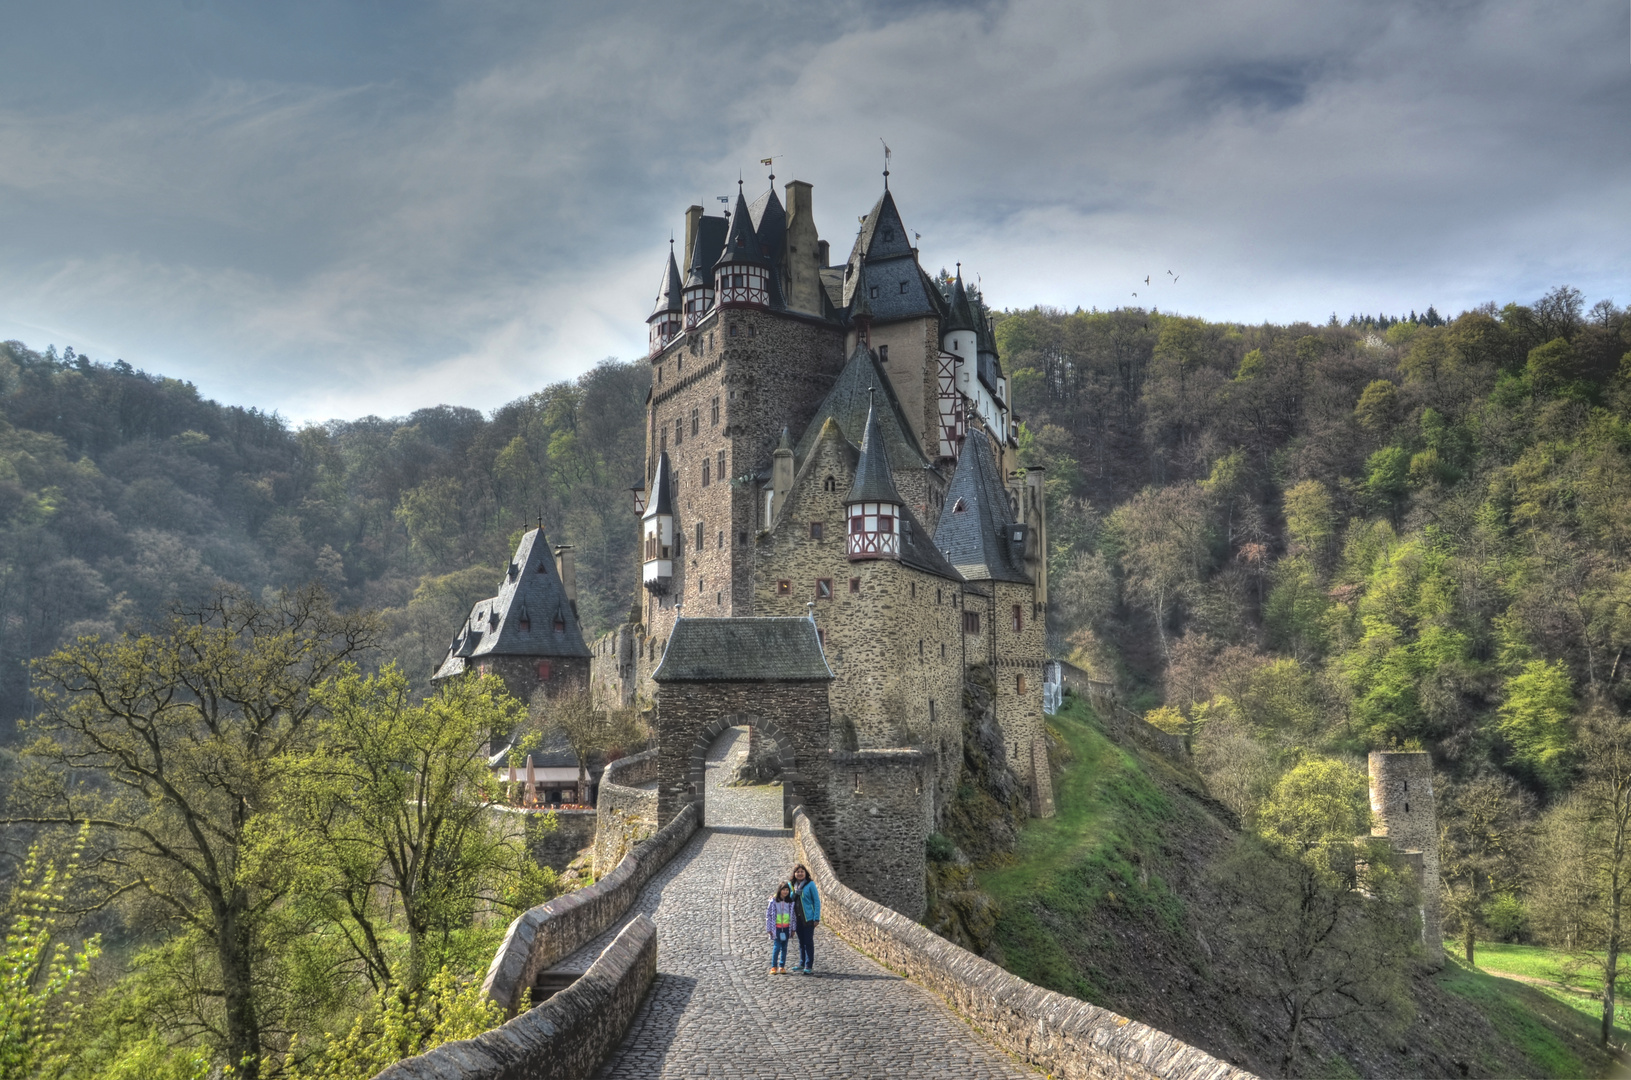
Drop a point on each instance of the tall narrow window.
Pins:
(883, 354)
(706, 468)
(1019, 684)
(815, 530)
(971, 622)
(679, 430)
(824, 588)
(716, 411)
(719, 469)
(699, 536)
(696, 420)
(1019, 620)
(854, 584)
(721, 539)
(662, 440)
(543, 671)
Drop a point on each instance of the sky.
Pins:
(332, 209)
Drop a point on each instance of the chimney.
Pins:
(569, 575)
(693, 215)
(781, 477)
(822, 254)
(805, 252)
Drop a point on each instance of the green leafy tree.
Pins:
(1534, 718)
(1484, 841)
(40, 977)
(189, 732)
(386, 813)
(586, 728)
(1322, 922)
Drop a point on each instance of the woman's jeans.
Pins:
(778, 952)
(806, 945)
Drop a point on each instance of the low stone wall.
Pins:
(555, 848)
(1062, 1036)
(625, 815)
(566, 1037)
(1122, 723)
(550, 932)
(883, 806)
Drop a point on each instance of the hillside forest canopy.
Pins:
(1288, 544)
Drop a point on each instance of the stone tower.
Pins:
(1403, 809)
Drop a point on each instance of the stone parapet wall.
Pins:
(566, 1037)
(883, 811)
(1062, 1036)
(1120, 722)
(625, 815)
(548, 933)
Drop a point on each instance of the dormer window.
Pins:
(903, 288)
(543, 566)
(883, 354)
(959, 506)
(873, 292)
(560, 625)
(525, 623)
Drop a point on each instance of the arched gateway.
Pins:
(768, 674)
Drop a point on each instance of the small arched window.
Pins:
(829, 484)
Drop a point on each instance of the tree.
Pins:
(1535, 717)
(587, 729)
(1325, 922)
(1163, 549)
(1484, 832)
(189, 730)
(387, 803)
(1585, 897)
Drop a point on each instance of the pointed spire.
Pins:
(962, 316)
(741, 242)
(670, 290)
(786, 441)
(662, 495)
(860, 301)
(873, 482)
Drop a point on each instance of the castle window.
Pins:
(699, 536)
(873, 292)
(883, 354)
(939, 596)
(829, 484)
(662, 441)
(1019, 622)
(854, 584)
(920, 648)
(733, 325)
(705, 472)
(903, 288)
(784, 588)
(659, 373)
(679, 430)
(931, 710)
(1407, 808)
(823, 588)
(719, 470)
(721, 539)
(914, 590)
(815, 530)
(719, 599)
(1019, 686)
(959, 506)
(560, 625)
(543, 671)
(716, 410)
(526, 624)
(942, 650)
(750, 330)
(821, 637)
(696, 420)
(679, 364)
(971, 622)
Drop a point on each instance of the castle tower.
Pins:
(742, 274)
(705, 238)
(657, 532)
(1403, 811)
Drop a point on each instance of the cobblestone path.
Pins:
(715, 1012)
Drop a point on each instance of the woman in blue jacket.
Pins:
(806, 917)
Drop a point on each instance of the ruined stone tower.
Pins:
(1401, 801)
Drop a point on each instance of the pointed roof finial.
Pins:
(886, 152)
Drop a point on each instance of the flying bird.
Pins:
(1169, 273)
(1135, 294)
(1146, 279)
(1175, 279)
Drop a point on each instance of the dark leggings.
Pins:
(806, 933)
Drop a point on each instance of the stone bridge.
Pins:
(679, 985)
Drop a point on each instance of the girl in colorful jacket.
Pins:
(779, 925)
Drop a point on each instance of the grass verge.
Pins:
(1550, 1030)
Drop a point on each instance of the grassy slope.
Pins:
(1108, 902)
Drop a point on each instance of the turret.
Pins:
(960, 338)
(704, 238)
(781, 478)
(742, 274)
(665, 319)
(657, 531)
(1403, 810)
(873, 505)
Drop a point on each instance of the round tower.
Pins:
(1403, 810)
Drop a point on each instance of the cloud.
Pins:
(333, 216)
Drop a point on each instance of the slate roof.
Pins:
(660, 500)
(849, 401)
(978, 539)
(962, 316)
(532, 593)
(743, 650)
(904, 290)
(705, 249)
(669, 290)
(741, 242)
(872, 480)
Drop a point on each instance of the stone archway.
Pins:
(764, 729)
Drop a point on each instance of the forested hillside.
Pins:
(1287, 542)
(122, 491)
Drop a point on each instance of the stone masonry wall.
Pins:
(913, 368)
(894, 644)
(543, 935)
(765, 371)
(520, 674)
(611, 667)
(1060, 1036)
(883, 812)
(565, 1038)
(691, 715)
(626, 813)
(1405, 811)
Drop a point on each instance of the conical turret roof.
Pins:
(962, 315)
(705, 248)
(861, 305)
(741, 242)
(668, 292)
(976, 527)
(872, 480)
(661, 497)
